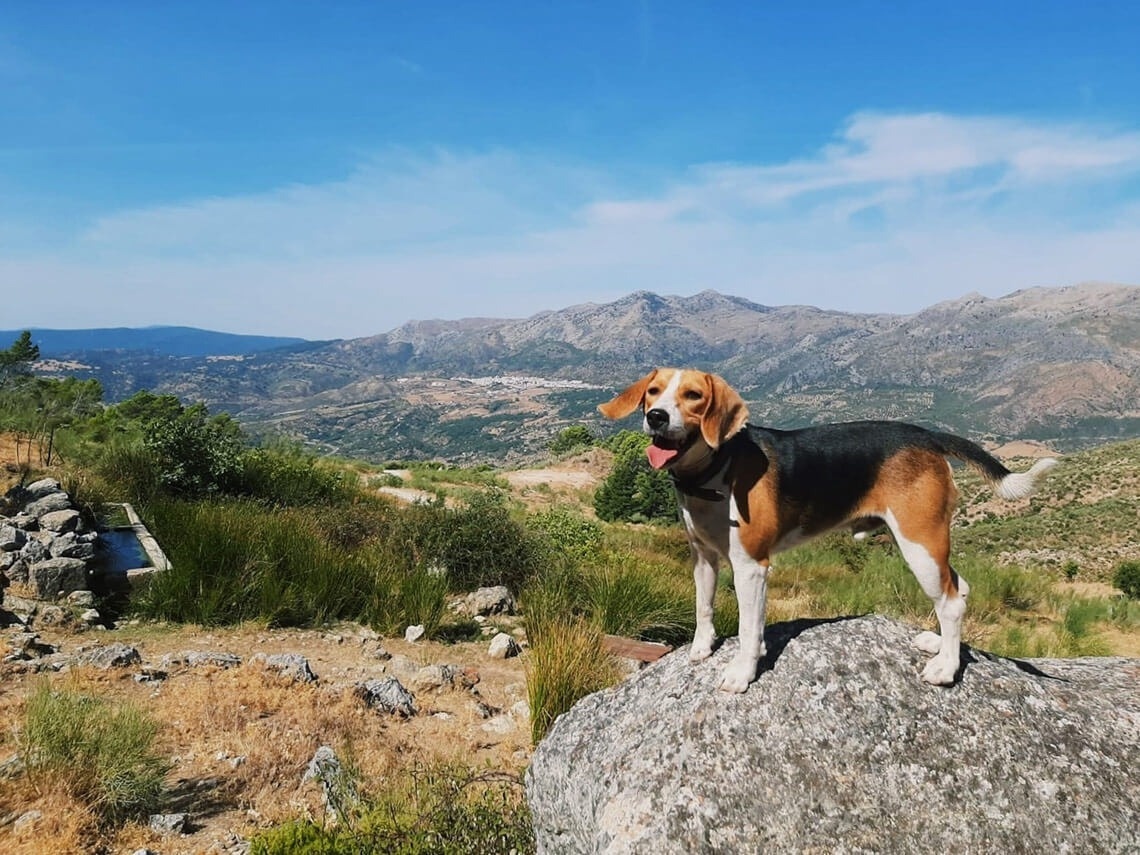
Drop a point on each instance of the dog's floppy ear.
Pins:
(725, 414)
(629, 400)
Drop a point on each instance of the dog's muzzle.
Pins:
(657, 419)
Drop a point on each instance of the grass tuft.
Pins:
(566, 663)
(98, 752)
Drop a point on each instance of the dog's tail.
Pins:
(1007, 484)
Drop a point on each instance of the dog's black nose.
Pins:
(657, 419)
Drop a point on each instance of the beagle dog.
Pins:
(747, 492)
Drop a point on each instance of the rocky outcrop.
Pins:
(45, 544)
(839, 747)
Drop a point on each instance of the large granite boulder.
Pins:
(840, 747)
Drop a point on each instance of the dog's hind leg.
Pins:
(705, 565)
(927, 553)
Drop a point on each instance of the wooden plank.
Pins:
(631, 648)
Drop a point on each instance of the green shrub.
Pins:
(101, 753)
(553, 595)
(570, 534)
(479, 543)
(429, 810)
(1127, 579)
(634, 491)
(572, 438)
(287, 477)
(133, 468)
(196, 455)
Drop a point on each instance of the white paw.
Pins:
(702, 647)
(699, 652)
(940, 671)
(737, 676)
(927, 642)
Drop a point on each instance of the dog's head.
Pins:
(682, 407)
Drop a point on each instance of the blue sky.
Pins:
(335, 169)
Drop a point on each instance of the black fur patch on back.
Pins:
(824, 471)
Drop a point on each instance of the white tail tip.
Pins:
(1021, 484)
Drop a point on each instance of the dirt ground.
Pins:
(239, 738)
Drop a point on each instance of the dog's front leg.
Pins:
(750, 578)
(704, 577)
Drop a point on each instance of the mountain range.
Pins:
(1059, 365)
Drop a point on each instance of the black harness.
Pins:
(697, 485)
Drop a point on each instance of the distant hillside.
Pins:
(163, 341)
(1059, 365)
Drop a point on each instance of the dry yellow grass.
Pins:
(240, 739)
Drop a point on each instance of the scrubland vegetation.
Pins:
(274, 536)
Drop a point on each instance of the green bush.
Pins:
(196, 454)
(133, 468)
(284, 477)
(572, 438)
(101, 753)
(478, 543)
(570, 534)
(634, 491)
(429, 810)
(1127, 579)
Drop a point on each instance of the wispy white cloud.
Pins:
(898, 211)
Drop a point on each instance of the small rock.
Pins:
(55, 576)
(468, 677)
(168, 823)
(195, 658)
(291, 665)
(381, 653)
(387, 695)
(12, 539)
(414, 633)
(91, 617)
(150, 675)
(17, 571)
(110, 656)
(503, 646)
(339, 789)
(435, 677)
(28, 644)
(494, 600)
(27, 820)
(81, 599)
(39, 489)
(49, 503)
(500, 724)
(13, 767)
(51, 615)
(486, 710)
(402, 667)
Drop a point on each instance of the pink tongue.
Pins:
(658, 456)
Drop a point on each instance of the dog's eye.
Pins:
(693, 395)
(653, 390)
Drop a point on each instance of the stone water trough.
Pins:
(50, 555)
